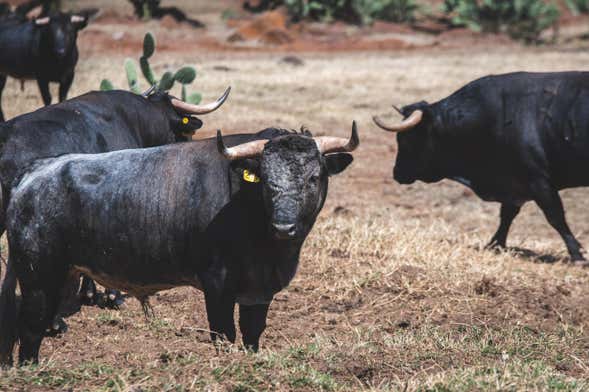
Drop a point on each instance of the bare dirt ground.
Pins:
(394, 291)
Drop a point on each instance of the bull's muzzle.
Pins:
(284, 231)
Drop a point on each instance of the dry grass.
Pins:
(394, 291)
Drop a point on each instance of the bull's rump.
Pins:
(131, 219)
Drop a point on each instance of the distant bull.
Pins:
(510, 138)
(229, 221)
(43, 49)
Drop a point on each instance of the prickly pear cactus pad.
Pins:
(184, 76)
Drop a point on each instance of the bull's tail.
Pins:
(8, 316)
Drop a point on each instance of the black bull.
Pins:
(44, 50)
(229, 221)
(510, 138)
(92, 123)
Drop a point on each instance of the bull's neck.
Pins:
(463, 153)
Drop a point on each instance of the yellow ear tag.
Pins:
(250, 177)
(185, 120)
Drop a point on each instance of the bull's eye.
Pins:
(185, 120)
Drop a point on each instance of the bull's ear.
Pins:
(189, 124)
(247, 169)
(337, 163)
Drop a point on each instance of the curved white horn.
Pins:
(42, 21)
(77, 19)
(200, 109)
(405, 125)
(330, 144)
(241, 151)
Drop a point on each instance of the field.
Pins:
(394, 290)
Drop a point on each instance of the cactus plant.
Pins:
(167, 81)
(106, 85)
(132, 76)
(148, 45)
(184, 76)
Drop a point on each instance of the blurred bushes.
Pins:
(578, 6)
(521, 19)
(351, 11)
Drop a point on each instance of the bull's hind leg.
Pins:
(507, 215)
(38, 309)
(2, 84)
(69, 304)
(550, 203)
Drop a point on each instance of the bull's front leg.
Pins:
(64, 86)
(252, 323)
(507, 215)
(550, 203)
(45, 93)
(220, 306)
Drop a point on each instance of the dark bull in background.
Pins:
(510, 138)
(43, 49)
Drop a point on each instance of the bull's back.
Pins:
(136, 214)
(77, 126)
(525, 123)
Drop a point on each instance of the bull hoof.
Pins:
(88, 297)
(580, 262)
(112, 299)
(58, 327)
(495, 245)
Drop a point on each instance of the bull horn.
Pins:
(200, 109)
(330, 144)
(148, 91)
(241, 151)
(77, 19)
(42, 21)
(407, 124)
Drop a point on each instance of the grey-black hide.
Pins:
(152, 219)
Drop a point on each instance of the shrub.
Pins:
(521, 19)
(184, 75)
(578, 6)
(351, 11)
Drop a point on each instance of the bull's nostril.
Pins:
(284, 230)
